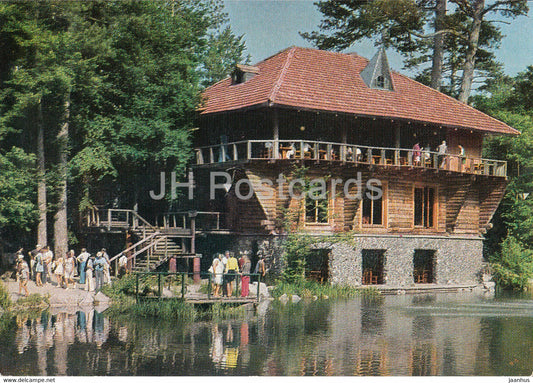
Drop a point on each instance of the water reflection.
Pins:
(400, 335)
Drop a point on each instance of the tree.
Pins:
(105, 93)
(508, 99)
(404, 25)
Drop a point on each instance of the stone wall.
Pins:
(457, 260)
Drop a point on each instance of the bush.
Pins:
(514, 267)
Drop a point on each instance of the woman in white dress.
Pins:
(218, 269)
(59, 270)
(70, 266)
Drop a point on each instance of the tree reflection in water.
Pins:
(401, 335)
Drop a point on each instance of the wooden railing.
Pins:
(204, 220)
(116, 218)
(346, 153)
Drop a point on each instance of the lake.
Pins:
(419, 335)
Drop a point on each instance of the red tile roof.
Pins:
(328, 81)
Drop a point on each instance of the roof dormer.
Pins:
(243, 73)
(376, 74)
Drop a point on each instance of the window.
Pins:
(372, 208)
(316, 210)
(424, 206)
(380, 82)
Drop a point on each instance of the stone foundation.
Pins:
(456, 260)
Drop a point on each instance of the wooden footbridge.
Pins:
(181, 285)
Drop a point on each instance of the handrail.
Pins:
(134, 246)
(345, 152)
(185, 275)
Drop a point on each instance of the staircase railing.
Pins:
(150, 239)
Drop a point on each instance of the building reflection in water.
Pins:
(405, 335)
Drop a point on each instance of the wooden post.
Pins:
(248, 150)
(258, 285)
(275, 131)
(235, 154)
(108, 219)
(159, 284)
(182, 285)
(137, 288)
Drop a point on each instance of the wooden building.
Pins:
(346, 120)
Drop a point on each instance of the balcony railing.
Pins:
(346, 153)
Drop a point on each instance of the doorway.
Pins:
(317, 262)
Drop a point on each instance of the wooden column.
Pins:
(397, 136)
(275, 128)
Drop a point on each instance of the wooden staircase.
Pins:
(163, 249)
(153, 246)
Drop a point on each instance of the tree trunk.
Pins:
(41, 180)
(438, 45)
(470, 58)
(60, 218)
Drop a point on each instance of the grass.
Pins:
(310, 289)
(5, 300)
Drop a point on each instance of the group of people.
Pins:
(442, 150)
(93, 271)
(226, 268)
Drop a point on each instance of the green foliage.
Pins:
(34, 302)
(132, 72)
(310, 289)
(296, 249)
(514, 267)
(5, 300)
(219, 311)
(17, 193)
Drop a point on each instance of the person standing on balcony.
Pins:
(442, 150)
(416, 154)
(82, 262)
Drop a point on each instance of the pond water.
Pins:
(445, 334)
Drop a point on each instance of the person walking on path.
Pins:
(59, 270)
(232, 268)
(260, 266)
(48, 259)
(39, 269)
(107, 267)
(70, 266)
(99, 265)
(245, 279)
(23, 274)
(89, 270)
(82, 262)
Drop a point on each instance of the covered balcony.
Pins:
(342, 153)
